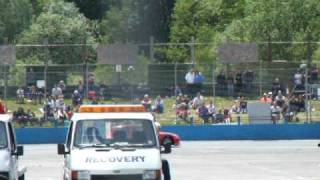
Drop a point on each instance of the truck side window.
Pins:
(12, 137)
(68, 143)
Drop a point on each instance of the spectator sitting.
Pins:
(236, 107)
(197, 101)
(20, 95)
(179, 99)
(219, 117)
(265, 98)
(94, 100)
(60, 103)
(31, 117)
(69, 112)
(182, 111)
(61, 116)
(146, 102)
(158, 105)
(48, 115)
(211, 110)
(203, 113)
(20, 116)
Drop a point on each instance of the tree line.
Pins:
(175, 21)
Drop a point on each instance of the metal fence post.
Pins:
(151, 49)
(45, 42)
(213, 81)
(193, 56)
(5, 81)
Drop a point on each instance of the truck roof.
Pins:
(4, 117)
(119, 115)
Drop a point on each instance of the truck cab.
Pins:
(9, 152)
(117, 142)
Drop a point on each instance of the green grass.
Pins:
(169, 116)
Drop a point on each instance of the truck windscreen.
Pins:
(3, 136)
(114, 133)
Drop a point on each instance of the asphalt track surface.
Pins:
(209, 160)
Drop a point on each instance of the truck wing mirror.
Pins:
(167, 149)
(19, 151)
(61, 149)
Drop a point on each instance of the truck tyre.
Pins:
(166, 169)
(21, 177)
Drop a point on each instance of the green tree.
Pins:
(59, 23)
(15, 15)
(137, 21)
(204, 20)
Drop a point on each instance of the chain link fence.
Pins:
(44, 66)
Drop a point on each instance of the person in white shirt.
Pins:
(190, 82)
(197, 101)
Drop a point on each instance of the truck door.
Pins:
(14, 157)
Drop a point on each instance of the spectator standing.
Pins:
(298, 80)
(280, 99)
(275, 113)
(80, 87)
(198, 81)
(230, 84)
(243, 105)
(177, 90)
(31, 77)
(190, 81)
(276, 86)
(227, 116)
(62, 86)
(314, 75)
(221, 82)
(56, 92)
(238, 80)
(248, 77)
(3, 109)
(20, 95)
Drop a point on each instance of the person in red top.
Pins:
(265, 98)
(2, 108)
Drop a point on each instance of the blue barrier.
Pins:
(199, 132)
(41, 135)
(247, 132)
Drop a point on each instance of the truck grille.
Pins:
(117, 177)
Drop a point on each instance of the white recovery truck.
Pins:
(9, 152)
(116, 142)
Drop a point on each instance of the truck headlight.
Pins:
(152, 175)
(80, 175)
